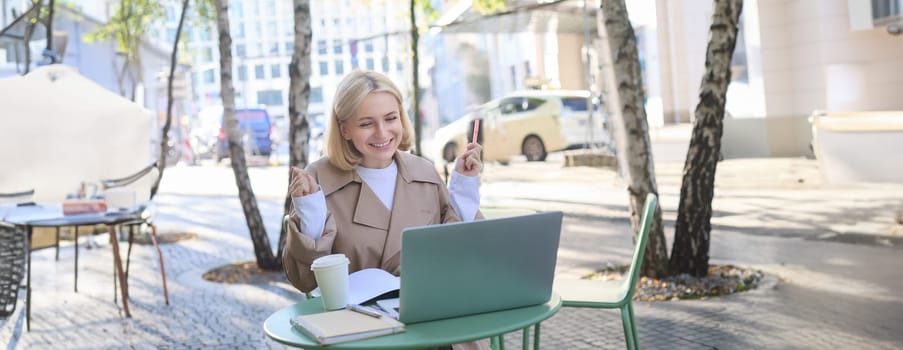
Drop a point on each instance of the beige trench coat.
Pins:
(359, 225)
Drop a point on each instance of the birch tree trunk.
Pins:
(262, 250)
(639, 169)
(298, 100)
(415, 113)
(690, 253)
(164, 134)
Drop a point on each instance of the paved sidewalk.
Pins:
(832, 254)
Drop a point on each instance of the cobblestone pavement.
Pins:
(831, 253)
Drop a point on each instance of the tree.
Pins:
(164, 135)
(49, 25)
(298, 99)
(262, 250)
(32, 21)
(415, 57)
(639, 169)
(431, 14)
(690, 252)
(127, 26)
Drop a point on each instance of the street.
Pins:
(830, 253)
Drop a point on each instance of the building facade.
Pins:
(346, 35)
(793, 57)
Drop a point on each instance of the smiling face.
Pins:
(375, 129)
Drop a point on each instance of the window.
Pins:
(576, 104)
(258, 72)
(255, 30)
(289, 48)
(865, 15)
(205, 34)
(885, 8)
(274, 49)
(271, 30)
(385, 65)
(370, 63)
(238, 31)
(242, 73)
(324, 68)
(255, 10)
(241, 51)
(316, 94)
(271, 8)
(368, 46)
(170, 14)
(170, 34)
(337, 46)
(236, 10)
(269, 97)
(274, 71)
(207, 55)
(339, 67)
(321, 47)
(513, 105)
(209, 76)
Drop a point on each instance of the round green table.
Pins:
(421, 335)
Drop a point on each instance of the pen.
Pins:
(364, 310)
(476, 130)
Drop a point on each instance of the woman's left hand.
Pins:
(469, 162)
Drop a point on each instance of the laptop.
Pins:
(468, 268)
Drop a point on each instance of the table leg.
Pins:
(128, 254)
(525, 340)
(28, 281)
(57, 244)
(76, 258)
(536, 337)
(160, 255)
(123, 283)
(501, 342)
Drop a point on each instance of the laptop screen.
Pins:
(461, 269)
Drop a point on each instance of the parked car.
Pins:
(530, 123)
(256, 130)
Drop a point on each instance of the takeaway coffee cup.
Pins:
(331, 272)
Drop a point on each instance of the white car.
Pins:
(530, 123)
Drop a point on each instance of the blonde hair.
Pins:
(348, 97)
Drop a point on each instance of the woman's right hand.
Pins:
(302, 183)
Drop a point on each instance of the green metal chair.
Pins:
(613, 295)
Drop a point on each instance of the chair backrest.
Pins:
(639, 252)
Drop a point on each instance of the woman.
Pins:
(359, 198)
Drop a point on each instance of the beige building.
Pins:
(794, 57)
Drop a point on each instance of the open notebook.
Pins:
(367, 285)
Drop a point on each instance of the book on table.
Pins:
(344, 325)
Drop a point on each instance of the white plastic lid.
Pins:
(328, 261)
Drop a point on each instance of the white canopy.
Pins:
(58, 129)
